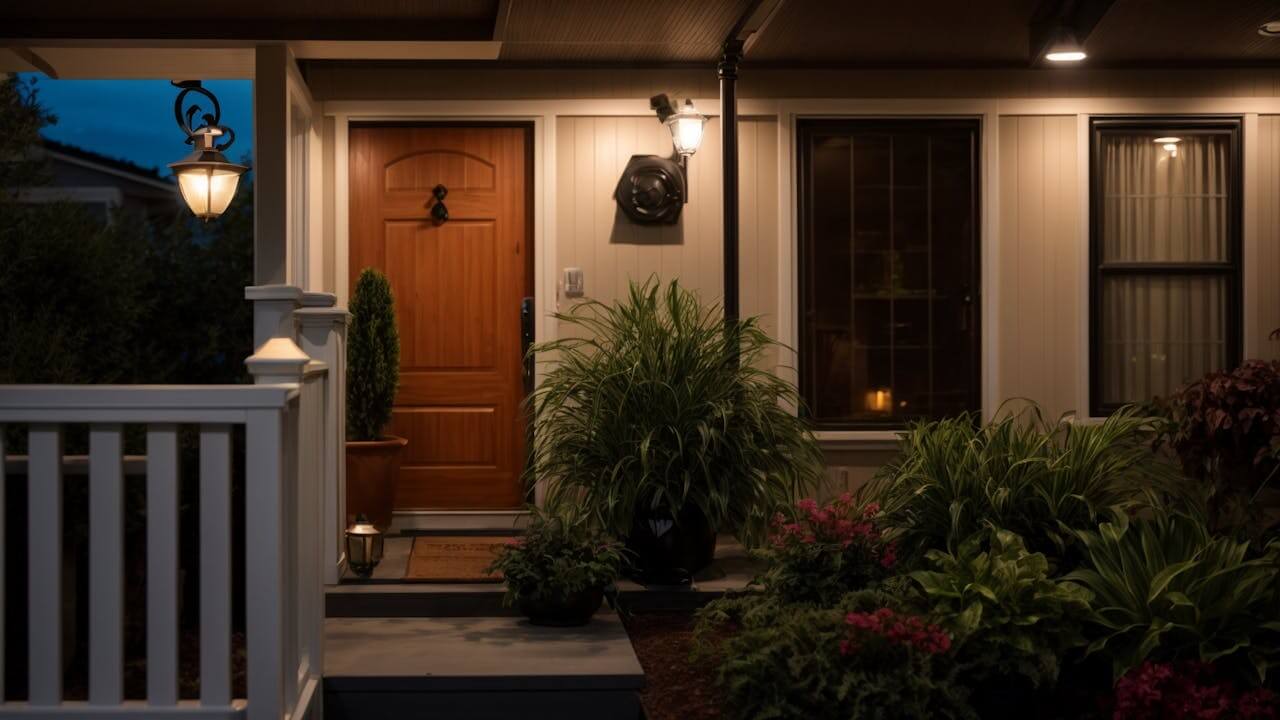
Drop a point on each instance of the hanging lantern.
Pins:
(364, 547)
(206, 179)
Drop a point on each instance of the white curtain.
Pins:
(1160, 331)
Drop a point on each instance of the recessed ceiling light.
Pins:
(1269, 29)
(1065, 49)
(1169, 143)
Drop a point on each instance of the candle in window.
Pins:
(880, 400)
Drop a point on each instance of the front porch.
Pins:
(211, 579)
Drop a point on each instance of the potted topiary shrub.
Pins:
(558, 571)
(657, 418)
(373, 374)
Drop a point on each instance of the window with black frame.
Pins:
(889, 271)
(1165, 252)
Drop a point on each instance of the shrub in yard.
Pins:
(1166, 589)
(862, 659)
(1189, 691)
(816, 553)
(1009, 618)
(651, 405)
(1040, 480)
(373, 357)
(560, 555)
(1225, 429)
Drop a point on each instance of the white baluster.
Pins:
(264, 562)
(215, 565)
(162, 565)
(106, 565)
(44, 590)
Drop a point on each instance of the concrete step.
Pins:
(479, 668)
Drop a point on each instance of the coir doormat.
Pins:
(453, 558)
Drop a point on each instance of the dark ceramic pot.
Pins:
(667, 551)
(572, 611)
(373, 470)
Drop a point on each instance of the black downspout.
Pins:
(728, 73)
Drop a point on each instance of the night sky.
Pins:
(133, 119)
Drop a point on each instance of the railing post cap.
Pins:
(274, 292)
(278, 360)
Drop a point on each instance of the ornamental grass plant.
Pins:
(654, 404)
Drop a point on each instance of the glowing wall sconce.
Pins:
(206, 179)
(653, 188)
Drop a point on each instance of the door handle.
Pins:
(526, 340)
(439, 212)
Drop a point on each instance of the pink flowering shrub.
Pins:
(886, 627)
(1190, 691)
(818, 553)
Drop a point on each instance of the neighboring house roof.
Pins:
(123, 169)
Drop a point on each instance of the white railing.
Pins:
(286, 449)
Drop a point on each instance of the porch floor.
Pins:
(389, 594)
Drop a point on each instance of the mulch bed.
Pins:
(676, 688)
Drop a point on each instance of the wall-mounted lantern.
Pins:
(206, 179)
(653, 188)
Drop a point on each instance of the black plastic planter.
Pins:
(667, 551)
(571, 611)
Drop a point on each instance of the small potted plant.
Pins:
(660, 421)
(557, 572)
(373, 374)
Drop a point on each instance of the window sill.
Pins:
(857, 439)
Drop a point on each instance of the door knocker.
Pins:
(439, 212)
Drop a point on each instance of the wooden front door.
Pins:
(458, 286)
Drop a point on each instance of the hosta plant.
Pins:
(653, 404)
(560, 554)
(1008, 616)
(1037, 479)
(1166, 589)
(817, 553)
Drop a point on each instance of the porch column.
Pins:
(322, 330)
(270, 165)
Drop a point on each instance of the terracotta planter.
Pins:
(571, 611)
(373, 467)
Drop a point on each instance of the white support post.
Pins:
(106, 565)
(273, 308)
(215, 565)
(162, 565)
(264, 562)
(323, 332)
(44, 568)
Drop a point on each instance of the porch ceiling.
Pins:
(916, 33)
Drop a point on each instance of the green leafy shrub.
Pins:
(817, 554)
(1039, 480)
(655, 405)
(560, 554)
(781, 661)
(1168, 590)
(1007, 615)
(373, 357)
(1225, 429)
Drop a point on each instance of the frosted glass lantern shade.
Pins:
(686, 129)
(208, 189)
